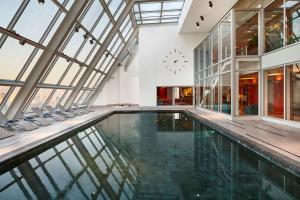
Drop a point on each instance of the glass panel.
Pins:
(3, 91)
(56, 97)
(57, 71)
(13, 56)
(225, 91)
(74, 44)
(215, 92)
(214, 46)
(274, 25)
(79, 76)
(40, 98)
(114, 5)
(172, 5)
(293, 21)
(70, 74)
(150, 6)
(91, 16)
(246, 33)
(183, 95)
(225, 66)
(248, 93)
(164, 96)
(293, 88)
(38, 16)
(226, 37)
(274, 92)
(10, 99)
(207, 53)
(8, 9)
(101, 26)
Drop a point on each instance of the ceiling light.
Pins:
(197, 25)
(77, 28)
(201, 18)
(85, 36)
(41, 2)
(210, 4)
(22, 41)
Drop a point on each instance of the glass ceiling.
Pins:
(158, 11)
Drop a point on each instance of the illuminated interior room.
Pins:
(150, 99)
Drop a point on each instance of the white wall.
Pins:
(155, 43)
(147, 70)
(289, 54)
(123, 88)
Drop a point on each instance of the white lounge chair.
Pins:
(39, 120)
(16, 124)
(60, 112)
(75, 112)
(54, 116)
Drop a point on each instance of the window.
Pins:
(293, 21)
(274, 25)
(246, 33)
(293, 95)
(274, 93)
(248, 93)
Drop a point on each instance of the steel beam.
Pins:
(123, 53)
(99, 53)
(46, 57)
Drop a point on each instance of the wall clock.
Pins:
(175, 61)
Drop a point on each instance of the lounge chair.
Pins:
(16, 124)
(54, 116)
(75, 112)
(60, 112)
(81, 109)
(42, 121)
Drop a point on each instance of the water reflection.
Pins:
(148, 156)
(85, 166)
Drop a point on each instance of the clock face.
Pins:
(175, 61)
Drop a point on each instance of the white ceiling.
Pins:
(193, 9)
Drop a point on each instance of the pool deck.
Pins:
(279, 143)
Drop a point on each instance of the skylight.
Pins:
(158, 12)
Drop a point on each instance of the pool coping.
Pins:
(18, 156)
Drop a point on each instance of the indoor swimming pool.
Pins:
(148, 155)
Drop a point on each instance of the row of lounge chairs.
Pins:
(41, 117)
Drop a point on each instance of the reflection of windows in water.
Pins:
(75, 165)
(172, 122)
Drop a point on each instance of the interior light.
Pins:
(22, 42)
(201, 18)
(210, 4)
(41, 2)
(77, 28)
(197, 25)
(85, 36)
(92, 41)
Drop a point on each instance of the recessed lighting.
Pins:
(201, 18)
(197, 25)
(210, 4)
(41, 2)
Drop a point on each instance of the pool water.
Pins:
(148, 156)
